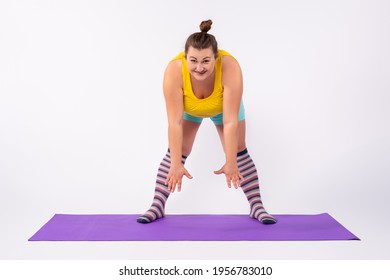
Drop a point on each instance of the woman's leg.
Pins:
(161, 192)
(250, 184)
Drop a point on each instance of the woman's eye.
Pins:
(206, 61)
(193, 60)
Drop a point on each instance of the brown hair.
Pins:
(202, 40)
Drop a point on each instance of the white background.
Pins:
(83, 123)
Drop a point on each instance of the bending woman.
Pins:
(205, 82)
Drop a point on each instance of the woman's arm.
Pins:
(172, 87)
(173, 94)
(232, 94)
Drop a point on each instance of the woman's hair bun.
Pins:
(205, 25)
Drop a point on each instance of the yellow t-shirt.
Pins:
(211, 105)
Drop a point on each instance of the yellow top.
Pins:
(209, 106)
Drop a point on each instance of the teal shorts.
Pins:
(217, 119)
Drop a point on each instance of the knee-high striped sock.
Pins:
(250, 186)
(161, 192)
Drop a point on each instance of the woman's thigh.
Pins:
(190, 130)
(241, 135)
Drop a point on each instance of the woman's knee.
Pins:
(186, 151)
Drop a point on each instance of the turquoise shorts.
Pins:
(217, 119)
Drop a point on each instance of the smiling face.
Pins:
(200, 63)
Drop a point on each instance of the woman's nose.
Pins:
(199, 67)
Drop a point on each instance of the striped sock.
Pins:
(161, 192)
(250, 186)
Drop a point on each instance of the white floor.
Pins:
(373, 231)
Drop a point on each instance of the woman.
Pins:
(204, 82)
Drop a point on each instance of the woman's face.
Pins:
(200, 63)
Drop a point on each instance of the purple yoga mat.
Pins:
(109, 227)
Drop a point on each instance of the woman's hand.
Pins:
(232, 175)
(175, 177)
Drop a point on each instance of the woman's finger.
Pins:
(173, 186)
(228, 181)
(238, 184)
(187, 174)
(179, 186)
